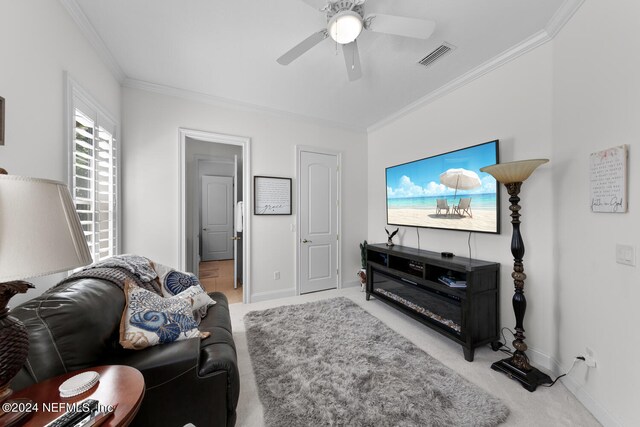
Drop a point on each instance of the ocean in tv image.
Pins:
(480, 201)
(445, 191)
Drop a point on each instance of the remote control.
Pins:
(81, 411)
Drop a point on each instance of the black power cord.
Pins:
(565, 374)
(495, 346)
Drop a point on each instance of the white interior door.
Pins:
(217, 218)
(318, 260)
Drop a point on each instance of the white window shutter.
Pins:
(94, 178)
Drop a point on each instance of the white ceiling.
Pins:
(228, 49)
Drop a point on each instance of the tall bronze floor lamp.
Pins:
(517, 367)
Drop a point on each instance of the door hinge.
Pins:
(337, 237)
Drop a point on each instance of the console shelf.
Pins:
(412, 281)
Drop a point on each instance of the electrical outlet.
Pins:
(276, 275)
(589, 358)
(626, 254)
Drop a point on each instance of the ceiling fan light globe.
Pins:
(344, 27)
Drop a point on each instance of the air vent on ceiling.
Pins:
(438, 53)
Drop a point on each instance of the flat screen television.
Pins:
(446, 191)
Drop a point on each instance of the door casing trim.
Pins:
(245, 143)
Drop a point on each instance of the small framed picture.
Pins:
(272, 195)
(1, 120)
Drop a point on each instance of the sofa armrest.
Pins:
(162, 363)
(218, 353)
(175, 392)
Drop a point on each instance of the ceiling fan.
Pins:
(345, 22)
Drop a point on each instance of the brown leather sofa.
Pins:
(76, 325)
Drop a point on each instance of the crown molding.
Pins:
(232, 104)
(94, 39)
(553, 27)
(562, 16)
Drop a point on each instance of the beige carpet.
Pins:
(554, 406)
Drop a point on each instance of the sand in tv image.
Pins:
(446, 191)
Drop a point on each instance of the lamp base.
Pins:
(530, 379)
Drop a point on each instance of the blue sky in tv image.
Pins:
(417, 184)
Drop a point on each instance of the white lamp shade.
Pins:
(344, 27)
(40, 232)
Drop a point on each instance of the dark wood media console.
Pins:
(410, 280)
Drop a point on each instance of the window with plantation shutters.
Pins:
(94, 175)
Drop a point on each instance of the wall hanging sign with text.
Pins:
(272, 195)
(609, 180)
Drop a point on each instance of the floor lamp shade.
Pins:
(40, 231)
(517, 171)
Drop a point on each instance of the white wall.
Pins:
(38, 42)
(573, 96)
(512, 104)
(150, 163)
(596, 106)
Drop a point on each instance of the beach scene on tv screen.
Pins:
(445, 191)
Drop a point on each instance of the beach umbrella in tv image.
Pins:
(460, 179)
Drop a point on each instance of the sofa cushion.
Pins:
(71, 326)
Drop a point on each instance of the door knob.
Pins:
(204, 229)
(306, 241)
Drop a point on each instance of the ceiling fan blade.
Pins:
(401, 26)
(302, 47)
(352, 59)
(316, 4)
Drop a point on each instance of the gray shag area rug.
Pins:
(332, 363)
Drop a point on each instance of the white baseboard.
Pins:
(269, 295)
(350, 284)
(552, 366)
(597, 410)
(542, 360)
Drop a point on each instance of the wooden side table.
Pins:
(121, 385)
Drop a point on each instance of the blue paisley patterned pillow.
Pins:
(149, 319)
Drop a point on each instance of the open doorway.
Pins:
(214, 226)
